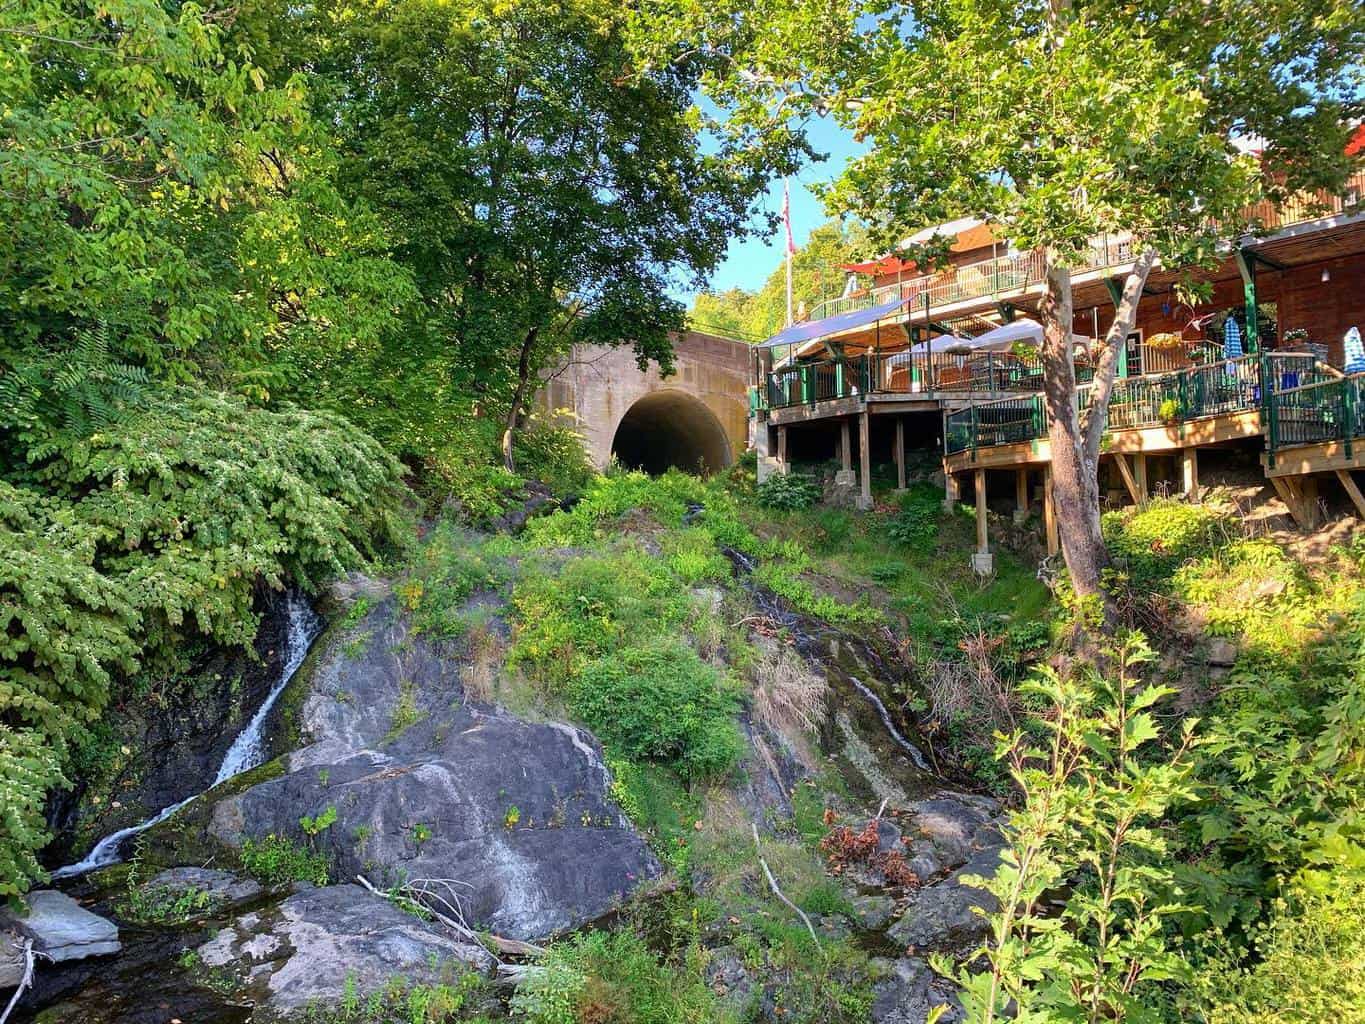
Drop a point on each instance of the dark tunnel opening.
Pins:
(671, 428)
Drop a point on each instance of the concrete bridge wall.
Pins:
(697, 418)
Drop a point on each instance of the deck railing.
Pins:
(1322, 412)
(1006, 275)
(1215, 389)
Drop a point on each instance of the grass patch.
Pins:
(275, 860)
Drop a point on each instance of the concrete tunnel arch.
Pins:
(668, 428)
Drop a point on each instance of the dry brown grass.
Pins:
(789, 697)
(969, 691)
(481, 672)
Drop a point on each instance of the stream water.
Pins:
(247, 750)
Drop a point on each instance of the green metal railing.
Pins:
(987, 424)
(808, 383)
(1216, 389)
(1320, 412)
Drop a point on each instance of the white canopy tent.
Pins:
(1021, 331)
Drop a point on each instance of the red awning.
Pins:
(1356, 145)
(885, 265)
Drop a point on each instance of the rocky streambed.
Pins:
(405, 787)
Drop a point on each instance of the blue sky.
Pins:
(749, 261)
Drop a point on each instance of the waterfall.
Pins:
(905, 744)
(247, 750)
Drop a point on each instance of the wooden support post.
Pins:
(1129, 481)
(1352, 491)
(900, 453)
(982, 561)
(982, 545)
(845, 447)
(1140, 473)
(1308, 497)
(782, 450)
(1050, 514)
(1189, 471)
(1021, 490)
(951, 491)
(864, 461)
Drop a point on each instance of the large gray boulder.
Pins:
(948, 914)
(59, 929)
(516, 815)
(317, 944)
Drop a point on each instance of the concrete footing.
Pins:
(983, 563)
(845, 478)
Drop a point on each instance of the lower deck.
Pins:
(1305, 419)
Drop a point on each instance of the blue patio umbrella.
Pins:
(1355, 351)
(1232, 340)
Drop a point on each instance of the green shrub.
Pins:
(602, 976)
(1310, 959)
(1152, 541)
(917, 521)
(693, 556)
(660, 702)
(571, 615)
(452, 566)
(788, 492)
(275, 860)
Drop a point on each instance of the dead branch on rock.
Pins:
(440, 897)
(777, 891)
(24, 982)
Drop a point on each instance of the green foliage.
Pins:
(658, 701)
(275, 860)
(693, 556)
(164, 905)
(451, 568)
(587, 609)
(1151, 541)
(917, 521)
(782, 575)
(157, 183)
(399, 1002)
(1096, 790)
(788, 492)
(658, 805)
(29, 767)
(603, 976)
(316, 825)
(1310, 960)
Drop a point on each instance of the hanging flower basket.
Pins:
(1166, 341)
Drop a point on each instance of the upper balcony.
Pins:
(1010, 276)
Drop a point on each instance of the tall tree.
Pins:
(152, 181)
(547, 189)
(1058, 121)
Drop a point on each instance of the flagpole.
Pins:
(787, 219)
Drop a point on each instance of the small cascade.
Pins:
(773, 606)
(247, 750)
(895, 733)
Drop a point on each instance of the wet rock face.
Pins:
(516, 814)
(58, 928)
(950, 836)
(310, 947)
(172, 751)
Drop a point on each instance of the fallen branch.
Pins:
(24, 982)
(777, 891)
(424, 892)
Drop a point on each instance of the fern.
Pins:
(130, 538)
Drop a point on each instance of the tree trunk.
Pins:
(528, 344)
(1075, 485)
(1075, 438)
